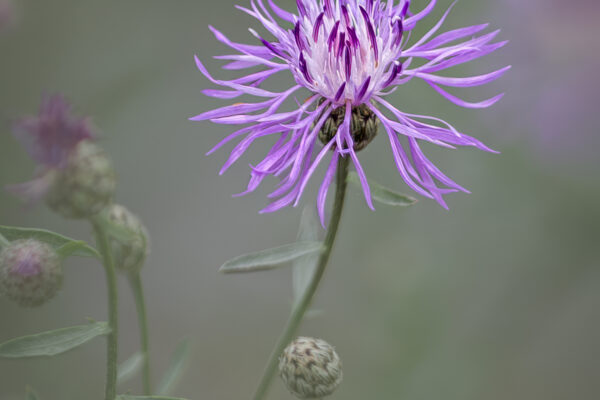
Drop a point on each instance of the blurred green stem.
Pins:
(135, 281)
(113, 301)
(306, 299)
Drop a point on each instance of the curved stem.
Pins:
(304, 303)
(113, 317)
(135, 281)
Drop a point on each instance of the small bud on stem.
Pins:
(31, 272)
(129, 255)
(310, 368)
(85, 186)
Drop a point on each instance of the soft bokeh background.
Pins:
(497, 298)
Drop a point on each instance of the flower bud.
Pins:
(363, 127)
(85, 186)
(310, 368)
(130, 254)
(31, 272)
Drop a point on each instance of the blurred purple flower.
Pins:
(556, 83)
(350, 54)
(49, 138)
(7, 14)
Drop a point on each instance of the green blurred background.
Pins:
(497, 298)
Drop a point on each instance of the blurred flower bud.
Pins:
(310, 368)
(129, 254)
(31, 272)
(85, 186)
(74, 176)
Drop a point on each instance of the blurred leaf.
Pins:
(62, 244)
(310, 314)
(176, 368)
(130, 367)
(76, 247)
(54, 342)
(30, 394)
(382, 194)
(130, 397)
(270, 258)
(303, 267)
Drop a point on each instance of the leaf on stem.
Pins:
(176, 368)
(270, 258)
(65, 246)
(53, 342)
(130, 367)
(383, 195)
(303, 267)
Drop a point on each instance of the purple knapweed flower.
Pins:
(350, 54)
(49, 138)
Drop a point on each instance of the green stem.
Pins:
(113, 301)
(135, 281)
(302, 306)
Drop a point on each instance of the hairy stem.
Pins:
(113, 317)
(135, 281)
(306, 299)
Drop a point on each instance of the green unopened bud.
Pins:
(310, 368)
(31, 272)
(86, 185)
(129, 253)
(363, 127)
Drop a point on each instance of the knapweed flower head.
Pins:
(310, 368)
(31, 272)
(350, 55)
(73, 175)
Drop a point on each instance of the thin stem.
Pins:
(113, 317)
(135, 281)
(305, 301)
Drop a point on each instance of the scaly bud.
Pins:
(363, 127)
(310, 368)
(131, 254)
(31, 272)
(85, 186)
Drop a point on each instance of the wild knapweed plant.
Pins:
(75, 178)
(349, 55)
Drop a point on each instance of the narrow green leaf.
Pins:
(270, 258)
(53, 342)
(130, 397)
(303, 267)
(383, 195)
(130, 367)
(176, 368)
(58, 242)
(30, 394)
(77, 247)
